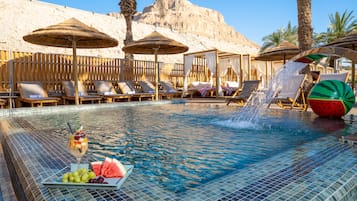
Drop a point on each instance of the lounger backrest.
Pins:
(334, 76)
(167, 87)
(104, 87)
(292, 87)
(125, 88)
(69, 88)
(248, 88)
(33, 89)
(147, 86)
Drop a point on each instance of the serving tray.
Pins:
(55, 181)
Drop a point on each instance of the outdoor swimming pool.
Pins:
(181, 148)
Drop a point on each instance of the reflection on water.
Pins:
(180, 147)
(329, 126)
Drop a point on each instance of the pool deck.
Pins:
(22, 156)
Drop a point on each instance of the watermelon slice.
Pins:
(109, 168)
(115, 169)
(107, 162)
(97, 167)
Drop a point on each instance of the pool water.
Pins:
(180, 147)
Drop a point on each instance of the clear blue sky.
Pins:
(253, 18)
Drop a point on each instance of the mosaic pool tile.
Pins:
(325, 171)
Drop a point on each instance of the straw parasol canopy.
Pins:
(283, 51)
(350, 42)
(155, 43)
(71, 34)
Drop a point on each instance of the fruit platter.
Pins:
(109, 174)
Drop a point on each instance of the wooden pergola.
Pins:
(213, 58)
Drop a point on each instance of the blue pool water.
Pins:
(180, 147)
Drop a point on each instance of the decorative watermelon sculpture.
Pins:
(331, 98)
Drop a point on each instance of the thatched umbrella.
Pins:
(350, 42)
(71, 34)
(283, 51)
(155, 43)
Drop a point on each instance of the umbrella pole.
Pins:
(75, 71)
(156, 76)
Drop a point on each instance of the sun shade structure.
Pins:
(350, 42)
(217, 61)
(317, 54)
(71, 34)
(155, 43)
(283, 51)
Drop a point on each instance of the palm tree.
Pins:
(128, 9)
(288, 34)
(273, 39)
(340, 26)
(291, 34)
(304, 24)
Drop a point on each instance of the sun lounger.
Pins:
(334, 76)
(241, 97)
(169, 90)
(108, 92)
(288, 96)
(34, 94)
(147, 87)
(129, 88)
(82, 93)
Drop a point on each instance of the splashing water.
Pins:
(256, 106)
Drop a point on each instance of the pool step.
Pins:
(344, 188)
(6, 188)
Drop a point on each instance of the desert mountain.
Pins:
(185, 17)
(20, 17)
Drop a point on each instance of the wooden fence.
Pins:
(51, 69)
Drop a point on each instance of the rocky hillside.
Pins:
(185, 17)
(20, 17)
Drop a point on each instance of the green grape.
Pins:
(75, 174)
(83, 171)
(91, 175)
(65, 176)
(79, 176)
(85, 178)
(77, 180)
